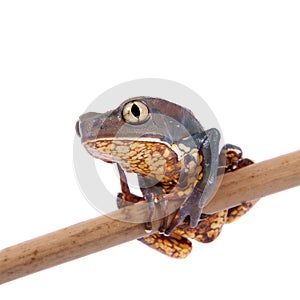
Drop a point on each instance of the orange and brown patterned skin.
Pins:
(173, 157)
(146, 158)
(208, 229)
(175, 246)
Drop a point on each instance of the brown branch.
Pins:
(100, 233)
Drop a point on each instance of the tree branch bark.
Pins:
(100, 233)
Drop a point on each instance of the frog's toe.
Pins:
(148, 227)
(195, 217)
(151, 210)
(178, 218)
(185, 215)
(120, 201)
(164, 225)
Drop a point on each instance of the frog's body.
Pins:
(173, 157)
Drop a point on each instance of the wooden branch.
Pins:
(100, 233)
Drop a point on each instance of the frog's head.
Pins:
(137, 122)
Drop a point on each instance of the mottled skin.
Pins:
(176, 244)
(173, 157)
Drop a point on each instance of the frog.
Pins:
(174, 158)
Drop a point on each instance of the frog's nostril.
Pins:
(77, 129)
(88, 125)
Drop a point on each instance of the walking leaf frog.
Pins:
(173, 157)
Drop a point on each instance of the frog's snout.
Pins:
(88, 125)
(77, 129)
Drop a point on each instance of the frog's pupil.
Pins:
(135, 110)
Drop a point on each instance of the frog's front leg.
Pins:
(174, 246)
(125, 197)
(191, 209)
(150, 190)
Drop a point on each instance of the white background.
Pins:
(57, 56)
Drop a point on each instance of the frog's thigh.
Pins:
(236, 212)
(174, 246)
(207, 230)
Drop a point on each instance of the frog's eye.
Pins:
(135, 112)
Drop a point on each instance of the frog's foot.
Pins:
(125, 198)
(236, 212)
(129, 199)
(174, 246)
(163, 205)
(234, 161)
(207, 230)
(149, 197)
(234, 158)
(189, 212)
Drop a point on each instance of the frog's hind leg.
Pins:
(207, 230)
(191, 209)
(174, 246)
(234, 161)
